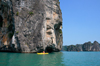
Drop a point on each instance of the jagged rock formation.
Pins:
(36, 25)
(88, 46)
(6, 24)
(72, 48)
(96, 46)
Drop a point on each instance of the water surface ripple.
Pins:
(52, 59)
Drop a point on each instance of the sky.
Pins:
(81, 21)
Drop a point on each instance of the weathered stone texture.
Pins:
(38, 25)
(6, 24)
(87, 46)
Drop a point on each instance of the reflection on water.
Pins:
(81, 58)
(22, 59)
(52, 59)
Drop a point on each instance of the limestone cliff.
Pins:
(87, 46)
(6, 24)
(36, 25)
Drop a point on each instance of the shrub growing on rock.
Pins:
(31, 13)
(60, 31)
(17, 32)
(17, 13)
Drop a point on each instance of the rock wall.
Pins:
(6, 24)
(88, 46)
(37, 25)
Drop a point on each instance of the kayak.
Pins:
(42, 53)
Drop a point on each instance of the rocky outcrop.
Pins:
(88, 46)
(96, 46)
(36, 25)
(72, 48)
(6, 25)
(77, 47)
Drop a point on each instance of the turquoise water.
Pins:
(52, 59)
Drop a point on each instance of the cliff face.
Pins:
(88, 46)
(78, 47)
(37, 26)
(96, 46)
(6, 24)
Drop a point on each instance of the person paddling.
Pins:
(43, 51)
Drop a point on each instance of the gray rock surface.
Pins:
(87, 46)
(6, 25)
(96, 46)
(37, 25)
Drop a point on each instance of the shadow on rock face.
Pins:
(40, 50)
(49, 49)
(1, 21)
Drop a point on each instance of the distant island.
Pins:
(87, 46)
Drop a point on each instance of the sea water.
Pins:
(63, 58)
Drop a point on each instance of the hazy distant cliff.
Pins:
(30, 25)
(88, 46)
